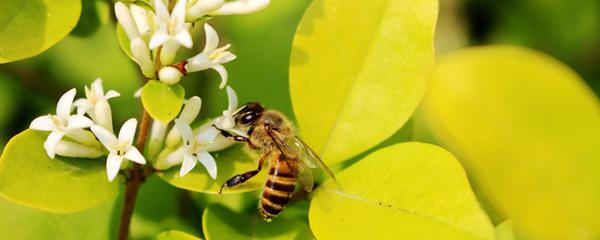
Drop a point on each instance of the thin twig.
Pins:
(138, 176)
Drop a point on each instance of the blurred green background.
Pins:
(567, 30)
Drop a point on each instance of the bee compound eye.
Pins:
(248, 118)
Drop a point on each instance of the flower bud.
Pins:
(141, 54)
(157, 136)
(143, 20)
(76, 150)
(103, 115)
(190, 111)
(126, 20)
(199, 8)
(83, 136)
(169, 158)
(169, 75)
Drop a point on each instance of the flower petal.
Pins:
(77, 121)
(111, 94)
(201, 8)
(184, 38)
(232, 99)
(189, 162)
(209, 163)
(51, 142)
(191, 109)
(223, 72)
(63, 107)
(82, 105)
(174, 158)
(159, 37)
(108, 139)
(113, 164)
(127, 132)
(162, 13)
(227, 57)
(185, 130)
(207, 135)
(178, 15)
(97, 87)
(126, 20)
(242, 7)
(212, 38)
(198, 63)
(141, 16)
(134, 155)
(43, 123)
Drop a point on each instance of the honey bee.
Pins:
(290, 159)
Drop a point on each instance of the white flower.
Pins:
(226, 121)
(172, 30)
(188, 114)
(135, 23)
(199, 8)
(211, 56)
(241, 7)
(95, 104)
(63, 123)
(119, 148)
(194, 149)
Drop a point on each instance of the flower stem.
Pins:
(137, 177)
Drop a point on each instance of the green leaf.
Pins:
(409, 191)
(29, 177)
(175, 235)
(29, 27)
(163, 102)
(232, 161)
(528, 131)
(18, 222)
(124, 42)
(359, 66)
(219, 222)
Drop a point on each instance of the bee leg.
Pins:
(242, 178)
(231, 136)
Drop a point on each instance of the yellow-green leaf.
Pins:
(175, 235)
(232, 161)
(163, 102)
(504, 231)
(124, 41)
(29, 177)
(528, 130)
(19, 222)
(359, 67)
(405, 191)
(28, 27)
(219, 222)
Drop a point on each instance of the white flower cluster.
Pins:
(187, 146)
(80, 142)
(69, 135)
(156, 35)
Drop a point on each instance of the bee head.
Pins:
(248, 114)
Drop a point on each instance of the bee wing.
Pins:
(305, 176)
(309, 157)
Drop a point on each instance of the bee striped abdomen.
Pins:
(277, 191)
